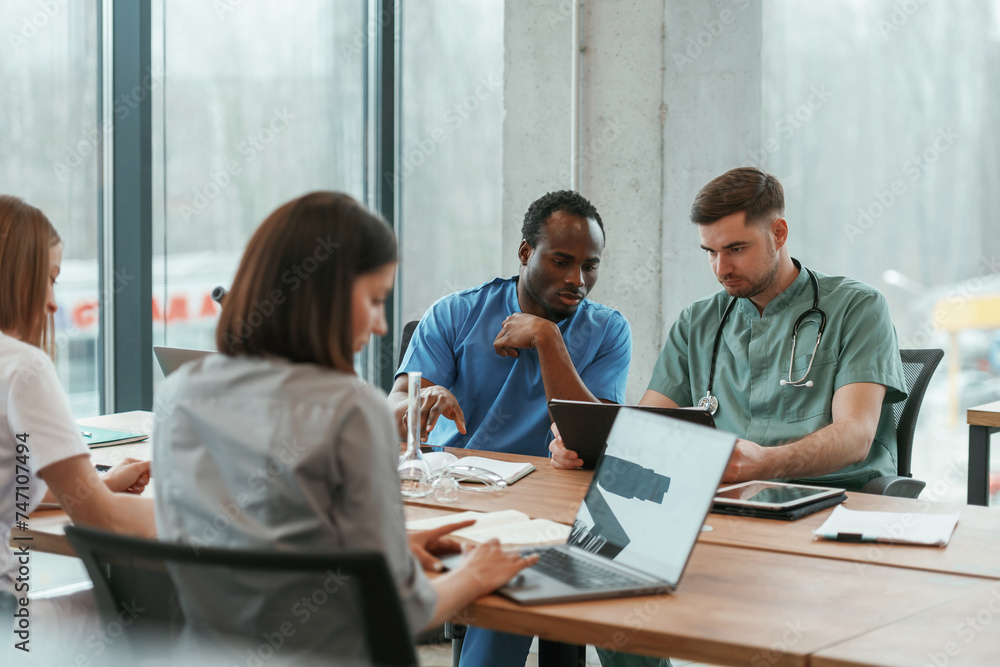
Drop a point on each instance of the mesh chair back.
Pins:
(404, 340)
(134, 573)
(918, 367)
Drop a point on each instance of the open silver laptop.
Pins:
(639, 521)
(171, 358)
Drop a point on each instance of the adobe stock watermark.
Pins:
(913, 168)
(293, 278)
(608, 135)
(31, 26)
(257, 485)
(790, 123)
(714, 29)
(924, 334)
(73, 156)
(899, 16)
(561, 13)
(248, 150)
(967, 631)
(793, 633)
(417, 154)
(360, 37)
(225, 7)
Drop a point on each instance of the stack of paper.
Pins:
(846, 525)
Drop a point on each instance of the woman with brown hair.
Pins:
(42, 453)
(276, 444)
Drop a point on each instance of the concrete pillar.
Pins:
(712, 95)
(660, 118)
(536, 126)
(622, 165)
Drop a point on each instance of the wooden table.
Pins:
(974, 549)
(739, 607)
(984, 421)
(754, 592)
(959, 633)
(556, 495)
(545, 493)
(46, 526)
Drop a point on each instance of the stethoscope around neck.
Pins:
(711, 403)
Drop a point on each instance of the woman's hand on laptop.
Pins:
(425, 544)
(562, 458)
(491, 567)
(127, 476)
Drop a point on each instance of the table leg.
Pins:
(979, 464)
(556, 654)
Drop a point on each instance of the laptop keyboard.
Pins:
(580, 572)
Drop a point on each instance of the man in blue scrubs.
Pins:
(805, 411)
(492, 355)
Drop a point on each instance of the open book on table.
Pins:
(510, 527)
(508, 471)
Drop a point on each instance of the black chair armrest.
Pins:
(892, 485)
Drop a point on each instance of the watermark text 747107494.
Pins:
(22, 551)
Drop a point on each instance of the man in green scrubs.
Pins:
(828, 418)
(817, 413)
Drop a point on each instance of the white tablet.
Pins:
(772, 495)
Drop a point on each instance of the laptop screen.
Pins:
(651, 492)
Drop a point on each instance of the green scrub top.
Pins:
(858, 345)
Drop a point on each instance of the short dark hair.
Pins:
(746, 189)
(291, 296)
(560, 200)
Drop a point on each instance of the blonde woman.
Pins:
(42, 453)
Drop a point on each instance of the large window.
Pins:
(450, 148)
(258, 104)
(880, 120)
(50, 159)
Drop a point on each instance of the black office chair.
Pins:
(132, 574)
(918, 367)
(404, 340)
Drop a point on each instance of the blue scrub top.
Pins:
(503, 398)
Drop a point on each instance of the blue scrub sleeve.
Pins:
(607, 375)
(431, 350)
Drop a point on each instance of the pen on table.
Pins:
(851, 537)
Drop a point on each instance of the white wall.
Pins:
(663, 111)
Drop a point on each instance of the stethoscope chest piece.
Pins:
(711, 403)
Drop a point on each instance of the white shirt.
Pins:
(269, 455)
(33, 405)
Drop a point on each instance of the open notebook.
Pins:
(510, 527)
(508, 471)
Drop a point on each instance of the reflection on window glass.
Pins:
(450, 148)
(48, 117)
(261, 102)
(881, 124)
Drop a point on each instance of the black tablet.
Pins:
(584, 427)
(772, 495)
